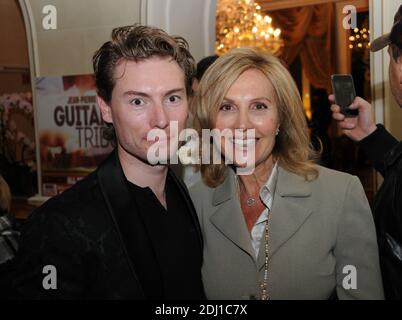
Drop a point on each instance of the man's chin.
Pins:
(163, 157)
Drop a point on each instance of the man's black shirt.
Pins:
(167, 268)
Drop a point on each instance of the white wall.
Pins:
(192, 19)
(82, 26)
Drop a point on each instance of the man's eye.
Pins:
(174, 99)
(226, 107)
(137, 102)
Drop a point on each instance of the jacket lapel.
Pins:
(119, 201)
(291, 208)
(228, 217)
(189, 204)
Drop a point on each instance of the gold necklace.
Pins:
(264, 284)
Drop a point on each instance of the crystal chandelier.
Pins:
(239, 23)
(360, 39)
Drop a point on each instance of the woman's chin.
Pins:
(244, 168)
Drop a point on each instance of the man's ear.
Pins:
(399, 64)
(105, 109)
(195, 84)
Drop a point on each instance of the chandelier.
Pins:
(239, 23)
(360, 39)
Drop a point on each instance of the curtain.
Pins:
(307, 31)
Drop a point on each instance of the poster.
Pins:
(70, 129)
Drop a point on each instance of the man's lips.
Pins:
(159, 140)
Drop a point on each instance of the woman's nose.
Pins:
(242, 120)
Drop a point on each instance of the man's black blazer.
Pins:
(80, 233)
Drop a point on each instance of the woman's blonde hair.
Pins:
(292, 147)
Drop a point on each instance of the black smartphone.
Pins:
(345, 94)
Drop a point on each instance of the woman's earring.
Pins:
(277, 131)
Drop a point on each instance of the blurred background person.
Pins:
(290, 228)
(189, 173)
(8, 239)
(202, 66)
(385, 153)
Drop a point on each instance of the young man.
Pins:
(129, 229)
(385, 153)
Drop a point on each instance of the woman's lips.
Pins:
(243, 142)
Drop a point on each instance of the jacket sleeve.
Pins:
(378, 146)
(46, 240)
(357, 267)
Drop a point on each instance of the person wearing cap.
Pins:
(385, 153)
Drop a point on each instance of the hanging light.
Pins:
(240, 23)
(359, 39)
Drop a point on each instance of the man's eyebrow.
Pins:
(174, 91)
(135, 93)
(143, 94)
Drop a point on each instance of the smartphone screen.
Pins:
(345, 94)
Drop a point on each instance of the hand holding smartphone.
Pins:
(345, 94)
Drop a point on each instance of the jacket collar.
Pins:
(289, 211)
(228, 217)
(119, 201)
(190, 206)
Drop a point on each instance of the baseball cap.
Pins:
(394, 37)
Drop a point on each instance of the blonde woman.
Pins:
(289, 229)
